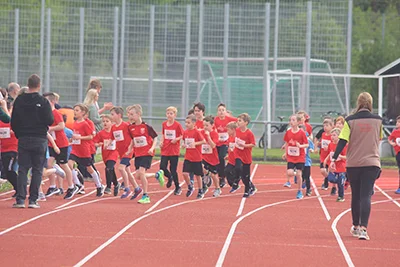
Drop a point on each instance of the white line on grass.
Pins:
(389, 197)
(243, 201)
(321, 202)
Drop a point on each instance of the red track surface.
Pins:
(183, 231)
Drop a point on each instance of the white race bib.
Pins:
(293, 151)
(325, 143)
(206, 149)
(170, 134)
(239, 143)
(118, 135)
(331, 155)
(5, 133)
(189, 142)
(76, 141)
(140, 141)
(53, 134)
(112, 145)
(231, 146)
(222, 137)
(398, 141)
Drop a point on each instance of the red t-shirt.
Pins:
(210, 155)
(325, 141)
(395, 136)
(81, 148)
(295, 154)
(340, 164)
(110, 152)
(8, 143)
(121, 135)
(220, 126)
(246, 137)
(189, 137)
(170, 133)
(143, 137)
(59, 136)
(91, 142)
(308, 128)
(231, 150)
(199, 126)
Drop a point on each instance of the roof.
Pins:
(392, 68)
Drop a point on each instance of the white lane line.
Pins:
(243, 201)
(389, 197)
(321, 202)
(161, 200)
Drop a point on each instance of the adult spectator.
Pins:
(95, 84)
(30, 121)
(90, 101)
(4, 113)
(362, 131)
(13, 90)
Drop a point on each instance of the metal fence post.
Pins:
(276, 36)
(48, 52)
(306, 95)
(151, 63)
(121, 54)
(226, 91)
(266, 62)
(349, 46)
(115, 57)
(42, 17)
(81, 49)
(200, 48)
(16, 45)
(186, 71)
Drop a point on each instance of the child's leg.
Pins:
(68, 176)
(123, 169)
(131, 178)
(341, 181)
(299, 174)
(229, 174)
(173, 165)
(222, 151)
(95, 176)
(187, 178)
(74, 172)
(215, 178)
(306, 176)
(164, 166)
(109, 169)
(199, 181)
(141, 174)
(52, 178)
(324, 173)
(398, 166)
(246, 178)
(238, 170)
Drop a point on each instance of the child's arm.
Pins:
(199, 143)
(78, 137)
(162, 140)
(151, 150)
(284, 146)
(58, 127)
(54, 145)
(301, 146)
(130, 148)
(209, 140)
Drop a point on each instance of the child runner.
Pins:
(304, 121)
(295, 142)
(170, 148)
(220, 123)
(122, 137)
(144, 140)
(199, 109)
(230, 167)
(324, 143)
(337, 175)
(81, 152)
(244, 143)
(307, 166)
(192, 141)
(109, 153)
(210, 155)
(394, 140)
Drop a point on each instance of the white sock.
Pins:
(75, 177)
(60, 172)
(96, 179)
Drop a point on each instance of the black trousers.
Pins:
(306, 176)
(222, 151)
(111, 177)
(362, 180)
(242, 171)
(173, 165)
(9, 160)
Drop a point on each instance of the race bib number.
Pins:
(112, 145)
(53, 134)
(222, 137)
(76, 141)
(5, 133)
(325, 143)
(398, 141)
(293, 151)
(118, 135)
(170, 134)
(206, 149)
(240, 143)
(140, 141)
(189, 142)
(231, 146)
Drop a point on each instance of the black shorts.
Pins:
(193, 167)
(61, 158)
(209, 167)
(86, 162)
(143, 161)
(321, 166)
(398, 160)
(297, 166)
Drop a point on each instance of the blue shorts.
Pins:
(336, 177)
(125, 161)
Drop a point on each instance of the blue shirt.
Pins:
(68, 132)
(308, 158)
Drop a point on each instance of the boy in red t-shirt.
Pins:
(81, 153)
(337, 169)
(210, 155)
(323, 152)
(394, 140)
(192, 141)
(109, 153)
(170, 148)
(295, 144)
(244, 143)
(144, 140)
(220, 123)
(230, 167)
(120, 133)
(198, 110)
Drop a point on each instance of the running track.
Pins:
(269, 229)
